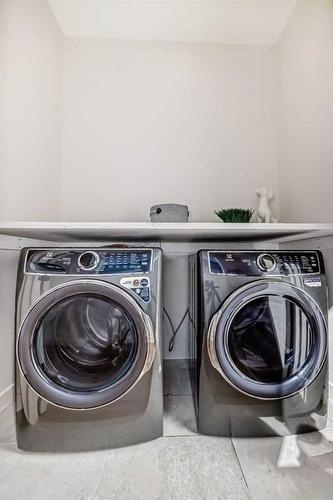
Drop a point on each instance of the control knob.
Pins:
(88, 261)
(266, 262)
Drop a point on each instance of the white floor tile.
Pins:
(289, 468)
(37, 476)
(179, 416)
(184, 468)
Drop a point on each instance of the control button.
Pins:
(88, 261)
(144, 282)
(266, 262)
(136, 282)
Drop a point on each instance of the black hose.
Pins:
(174, 330)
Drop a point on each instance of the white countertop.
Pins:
(182, 232)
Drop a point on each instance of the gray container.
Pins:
(169, 212)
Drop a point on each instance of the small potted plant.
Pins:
(235, 215)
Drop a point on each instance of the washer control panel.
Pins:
(273, 263)
(89, 262)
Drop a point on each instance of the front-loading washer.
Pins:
(88, 348)
(259, 342)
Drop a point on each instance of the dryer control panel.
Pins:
(89, 261)
(275, 263)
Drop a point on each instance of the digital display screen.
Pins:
(125, 262)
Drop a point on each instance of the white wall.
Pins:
(3, 41)
(147, 123)
(156, 122)
(305, 65)
(32, 62)
(8, 262)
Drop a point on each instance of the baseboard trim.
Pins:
(6, 397)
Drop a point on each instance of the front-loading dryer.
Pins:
(88, 348)
(259, 342)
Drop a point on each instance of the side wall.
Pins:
(8, 262)
(31, 58)
(305, 66)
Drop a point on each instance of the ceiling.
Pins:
(254, 22)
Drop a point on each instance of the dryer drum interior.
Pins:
(83, 345)
(270, 340)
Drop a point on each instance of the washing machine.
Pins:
(258, 342)
(88, 348)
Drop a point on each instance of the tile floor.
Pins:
(181, 465)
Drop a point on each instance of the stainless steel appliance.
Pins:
(88, 358)
(259, 342)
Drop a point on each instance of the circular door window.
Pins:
(270, 340)
(84, 344)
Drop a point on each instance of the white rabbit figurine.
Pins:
(264, 210)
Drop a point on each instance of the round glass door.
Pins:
(83, 345)
(270, 340)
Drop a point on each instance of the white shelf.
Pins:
(182, 232)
